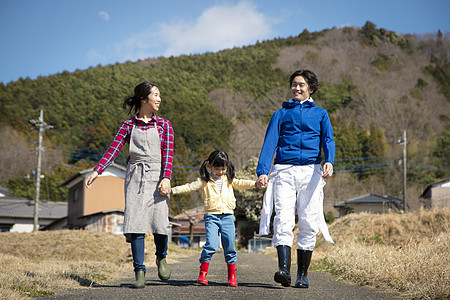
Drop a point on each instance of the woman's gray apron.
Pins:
(146, 210)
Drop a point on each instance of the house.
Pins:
(189, 221)
(436, 195)
(371, 203)
(104, 221)
(193, 220)
(101, 207)
(17, 214)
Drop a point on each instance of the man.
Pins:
(297, 132)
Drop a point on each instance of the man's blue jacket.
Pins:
(297, 132)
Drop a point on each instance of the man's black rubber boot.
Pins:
(303, 261)
(283, 275)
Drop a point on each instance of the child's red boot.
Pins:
(203, 272)
(232, 275)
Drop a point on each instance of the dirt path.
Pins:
(255, 278)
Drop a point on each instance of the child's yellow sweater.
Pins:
(216, 202)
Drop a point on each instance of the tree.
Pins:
(249, 202)
(192, 222)
(335, 96)
(16, 154)
(370, 32)
(51, 188)
(442, 152)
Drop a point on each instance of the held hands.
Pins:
(327, 170)
(262, 181)
(164, 187)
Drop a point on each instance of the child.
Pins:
(217, 193)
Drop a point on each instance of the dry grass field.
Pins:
(408, 252)
(405, 252)
(48, 262)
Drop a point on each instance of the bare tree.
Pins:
(192, 222)
(16, 154)
(390, 99)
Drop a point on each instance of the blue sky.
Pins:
(44, 37)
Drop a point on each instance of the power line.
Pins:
(365, 145)
(428, 157)
(366, 158)
(75, 152)
(381, 163)
(361, 170)
(67, 154)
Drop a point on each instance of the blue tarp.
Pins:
(184, 239)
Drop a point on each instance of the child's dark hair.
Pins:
(217, 158)
(141, 92)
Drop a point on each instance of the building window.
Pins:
(119, 228)
(5, 228)
(76, 194)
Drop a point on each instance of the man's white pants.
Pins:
(298, 188)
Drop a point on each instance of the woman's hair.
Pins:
(141, 92)
(216, 159)
(310, 78)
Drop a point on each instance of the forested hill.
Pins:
(374, 83)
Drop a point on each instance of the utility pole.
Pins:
(404, 170)
(42, 126)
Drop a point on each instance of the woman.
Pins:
(147, 182)
(297, 132)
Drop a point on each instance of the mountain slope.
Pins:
(374, 83)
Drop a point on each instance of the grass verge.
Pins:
(48, 262)
(408, 253)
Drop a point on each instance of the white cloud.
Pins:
(104, 15)
(140, 45)
(218, 27)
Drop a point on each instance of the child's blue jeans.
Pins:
(223, 224)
